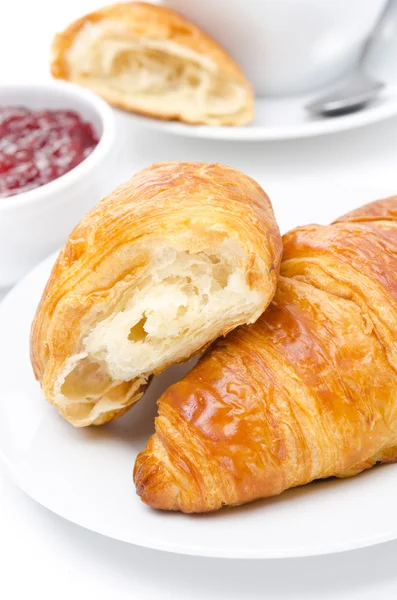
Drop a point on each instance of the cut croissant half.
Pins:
(180, 254)
(151, 60)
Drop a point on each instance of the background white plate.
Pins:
(84, 475)
(281, 119)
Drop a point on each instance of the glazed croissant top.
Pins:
(151, 60)
(308, 391)
(178, 255)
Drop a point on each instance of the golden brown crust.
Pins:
(191, 206)
(309, 391)
(157, 22)
(380, 210)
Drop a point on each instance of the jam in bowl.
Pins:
(38, 146)
(46, 129)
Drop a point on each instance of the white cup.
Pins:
(287, 47)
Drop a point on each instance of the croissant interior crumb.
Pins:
(158, 74)
(182, 301)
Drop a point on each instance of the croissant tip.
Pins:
(154, 484)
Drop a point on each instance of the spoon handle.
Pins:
(380, 23)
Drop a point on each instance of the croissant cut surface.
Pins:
(151, 60)
(179, 255)
(309, 391)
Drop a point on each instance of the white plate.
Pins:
(84, 475)
(279, 119)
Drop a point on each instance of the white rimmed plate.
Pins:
(283, 118)
(84, 475)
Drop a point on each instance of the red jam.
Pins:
(36, 147)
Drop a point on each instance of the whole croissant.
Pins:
(309, 391)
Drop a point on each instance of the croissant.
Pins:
(151, 60)
(179, 255)
(309, 391)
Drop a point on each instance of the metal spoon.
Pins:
(353, 95)
(361, 88)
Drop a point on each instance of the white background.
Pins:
(41, 554)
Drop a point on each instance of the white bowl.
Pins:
(34, 223)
